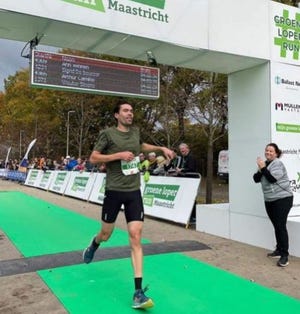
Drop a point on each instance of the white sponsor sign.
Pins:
(80, 184)
(60, 181)
(45, 179)
(3, 173)
(98, 189)
(33, 177)
(170, 198)
(285, 121)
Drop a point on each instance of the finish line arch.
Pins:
(254, 42)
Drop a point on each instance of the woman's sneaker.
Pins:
(274, 254)
(283, 261)
(140, 300)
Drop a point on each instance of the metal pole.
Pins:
(20, 147)
(68, 131)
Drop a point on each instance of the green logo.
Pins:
(46, 176)
(33, 174)
(60, 178)
(90, 4)
(160, 4)
(160, 195)
(277, 80)
(80, 183)
(288, 31)
(161, 191)
(102, 187)
(147, 13)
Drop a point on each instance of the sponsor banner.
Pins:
(164, 20)
(59, 182)
(285, 121)
(163, 197)
(16, 175)
(33, 177)
(285, 33)
(3, 173)
(170, 198)
(80, 184)
(45, 179)
(98, 189)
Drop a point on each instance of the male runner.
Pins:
(119, 147)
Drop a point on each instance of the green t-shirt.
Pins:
(112, 141)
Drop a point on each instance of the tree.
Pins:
(179, 85)
(192, 108)
(294, 3)
(210, 111)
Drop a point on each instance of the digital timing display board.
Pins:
(73, 73)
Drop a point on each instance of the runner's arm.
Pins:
(97, 157)
(169, 154)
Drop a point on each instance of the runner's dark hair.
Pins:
(120, 102)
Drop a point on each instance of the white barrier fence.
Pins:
(169, 198)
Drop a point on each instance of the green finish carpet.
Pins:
(178, 284)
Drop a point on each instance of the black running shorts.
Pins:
(133, 206)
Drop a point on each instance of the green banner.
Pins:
(291, 128)
(80, 183)
(162, 191)
(160, 4)
(90, 4)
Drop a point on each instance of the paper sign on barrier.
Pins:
(80, 184)
(60, 181)
(97, 193)
(45, 179)
(33, 177)
(170, 198)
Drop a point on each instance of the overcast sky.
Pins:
(11, 60)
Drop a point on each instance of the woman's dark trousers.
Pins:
(278, 212)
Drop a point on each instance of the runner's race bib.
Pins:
(130, 167)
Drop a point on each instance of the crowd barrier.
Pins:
(169, 198)
(13, 175)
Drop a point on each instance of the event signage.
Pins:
(80, 184)
(163, 197)
(160, 194)
(285, 119)
(151, 11)
(33, 177)
(164, 20)
(98, 190)
(61, 71)
(59, 181)
(45, 179)
(167, 197)
(285, 28)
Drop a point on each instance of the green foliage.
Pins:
(293, 3)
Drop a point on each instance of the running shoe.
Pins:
(140, 300)
(274, 254)
(283, 261)
(89, 252)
